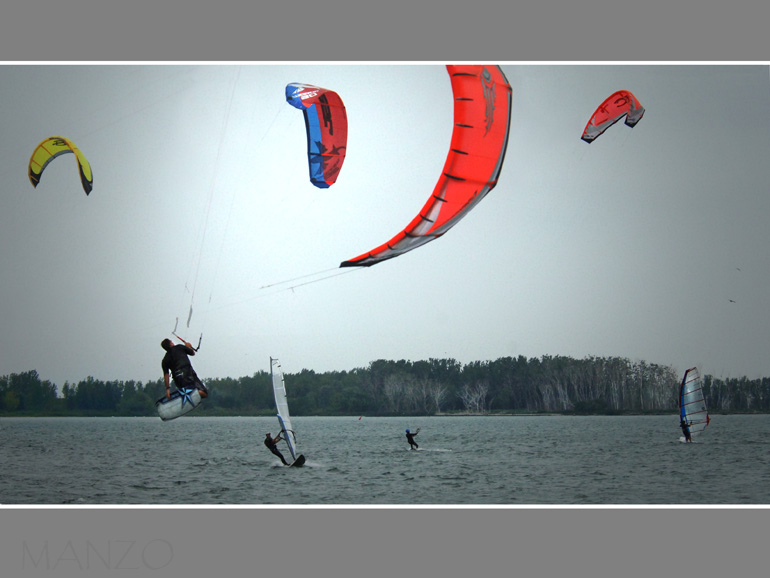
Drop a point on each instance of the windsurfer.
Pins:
(176, 364)
(270, 443)
(685, 430)
(410, 438)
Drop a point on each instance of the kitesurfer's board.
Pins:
(298, 462)
(180, 403)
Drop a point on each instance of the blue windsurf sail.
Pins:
(692, 402)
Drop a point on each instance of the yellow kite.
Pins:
(51, 148)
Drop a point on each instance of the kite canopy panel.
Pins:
(326, 125)
(619, 104)
(482, 114)
(51, 148)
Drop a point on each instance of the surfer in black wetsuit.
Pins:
(270, 443)
(685, 430)
(410, 438)
(176, 364)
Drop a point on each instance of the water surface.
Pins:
(488, 460)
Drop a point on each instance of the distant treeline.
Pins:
(550, 384)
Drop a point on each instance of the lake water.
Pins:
(492, 460)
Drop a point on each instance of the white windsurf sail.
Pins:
(692, 403)
(282, 406)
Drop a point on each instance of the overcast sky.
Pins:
(651, 243)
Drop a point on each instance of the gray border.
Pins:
(343, 30)
(375, 542)
(381, 542)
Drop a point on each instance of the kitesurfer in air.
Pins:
(410, 438)
(270, 443)
(685, 430)
(176, 364)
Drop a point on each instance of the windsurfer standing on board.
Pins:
(410, 438)
(685, 430)
(270, 443)
(176, 364)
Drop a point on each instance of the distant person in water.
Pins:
(270, 443)
(176, 364)
(410, 438)
(685, 430)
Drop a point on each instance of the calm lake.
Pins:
(490, 460)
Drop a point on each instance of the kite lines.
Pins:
(191, 285)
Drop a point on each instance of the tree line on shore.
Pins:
(549, 384)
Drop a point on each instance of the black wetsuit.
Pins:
(410, 439)
(177, 362)
(272, 447)
(685, 430)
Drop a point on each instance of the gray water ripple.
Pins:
(461, 460)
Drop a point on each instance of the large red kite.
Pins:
(482, 114)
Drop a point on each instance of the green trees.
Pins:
(426, 387)
(134, 400)
(27, 392)
(737, 394)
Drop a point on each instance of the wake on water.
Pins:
(307, 464)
